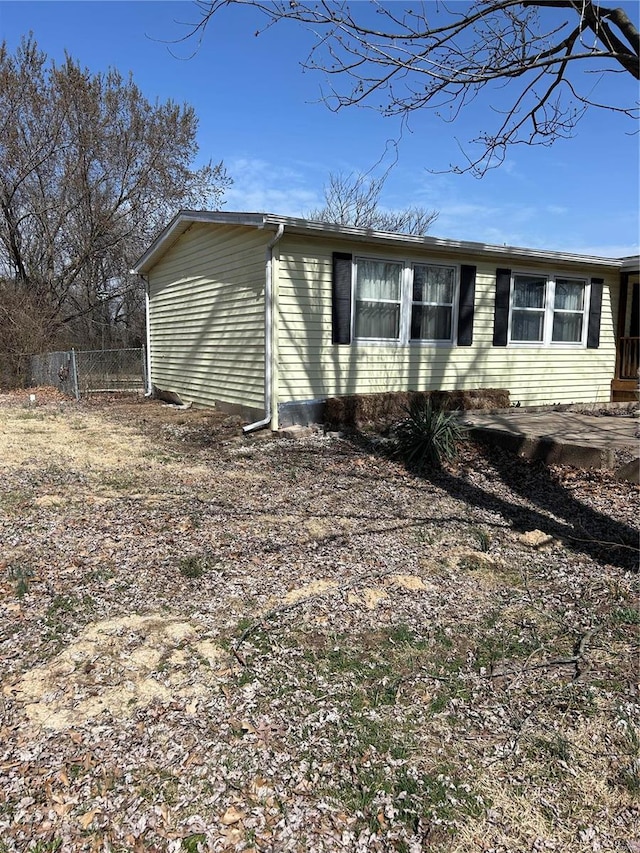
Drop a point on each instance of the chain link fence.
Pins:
(90, 371)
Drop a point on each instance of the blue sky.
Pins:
(263, 117)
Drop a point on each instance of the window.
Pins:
(547, 309)
(378, 299)
(527, 313)
(432, 306)
(568, 310)
(404, 302)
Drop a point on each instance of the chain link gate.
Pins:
(91, 371)
(110, 370)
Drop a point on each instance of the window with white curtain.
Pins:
(404, 302)
(432, 305)
(547, 309)
(568, 310)
(378, 299)
(528, 308)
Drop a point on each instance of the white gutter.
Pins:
(268, 336)
(148, 387)
(185, 218)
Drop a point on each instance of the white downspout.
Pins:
(147, 312)
(268, 336)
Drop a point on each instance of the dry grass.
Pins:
(214, 642)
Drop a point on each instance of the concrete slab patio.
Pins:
(562, 437)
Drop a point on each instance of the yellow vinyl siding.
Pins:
(309, 366)
(207, 316)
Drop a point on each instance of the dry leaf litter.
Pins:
(212, 642)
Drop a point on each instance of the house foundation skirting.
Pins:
(382, 409)
(248, 413)
(301, 412)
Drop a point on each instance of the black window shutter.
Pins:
(466, 305)
(595, 311)
(341, 299)
(634, 324)
(501, 311)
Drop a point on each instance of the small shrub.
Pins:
(20, 576)
(483, 538)
(428, 435)
(629, 771)
(473, 562)
(44, 846)
(626, 616)
(193, 566)
(194, 843)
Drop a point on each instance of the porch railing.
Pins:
(628, 360)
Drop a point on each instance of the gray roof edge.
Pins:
(182, 220)
(631, 263)
(441, 243)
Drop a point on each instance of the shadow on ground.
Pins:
(551, 507)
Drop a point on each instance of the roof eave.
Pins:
(631, 264)
(185, 218)
(441, 244)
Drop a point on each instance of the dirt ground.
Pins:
(221, 643)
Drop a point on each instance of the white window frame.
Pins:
(400, 302)
(406, 303)
(550, 310)
(425, 303)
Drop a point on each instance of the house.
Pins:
(268, 316)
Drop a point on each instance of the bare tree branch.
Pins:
(398, 59)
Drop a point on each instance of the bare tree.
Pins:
(89, 173)
(355, 199)
(398, 58)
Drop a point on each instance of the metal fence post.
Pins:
(74, 374)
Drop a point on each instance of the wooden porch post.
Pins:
(622, 318)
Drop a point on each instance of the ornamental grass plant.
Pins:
(428, 435)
